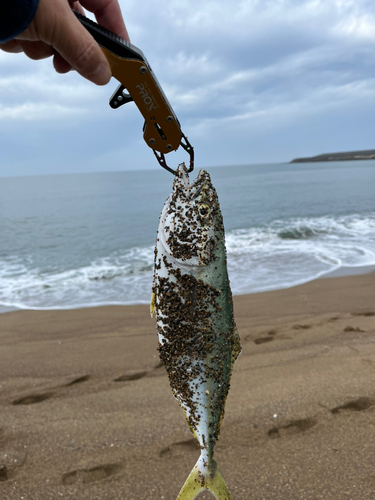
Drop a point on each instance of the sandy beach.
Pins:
(87, 412)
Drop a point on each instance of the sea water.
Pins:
(70, 241)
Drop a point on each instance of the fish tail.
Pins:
(211, 480)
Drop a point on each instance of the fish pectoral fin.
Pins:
(236, 347)
(153, 304)
(212, 481)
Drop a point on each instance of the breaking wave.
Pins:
(278, 255)
(291, 252)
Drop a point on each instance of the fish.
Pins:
(192, 301)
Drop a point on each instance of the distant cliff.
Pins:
(369, 154)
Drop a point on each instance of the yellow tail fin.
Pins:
(212, 481)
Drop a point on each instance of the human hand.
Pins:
(55, 31)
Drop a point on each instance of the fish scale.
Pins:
(192, 300)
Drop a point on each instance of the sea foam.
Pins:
(277, 255)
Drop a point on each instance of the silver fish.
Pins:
(198, 339)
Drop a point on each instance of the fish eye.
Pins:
(204, 210)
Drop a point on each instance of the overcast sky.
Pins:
(252, 81)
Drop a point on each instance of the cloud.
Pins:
(38, 112)
(248, 72)
(39, 94)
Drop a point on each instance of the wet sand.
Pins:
(87, 412)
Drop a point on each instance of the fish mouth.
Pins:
(180, 220)
(200, 184)
(182, 180)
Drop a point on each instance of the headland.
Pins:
(368, 154)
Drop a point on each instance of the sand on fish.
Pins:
(87, 411)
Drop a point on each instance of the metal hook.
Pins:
(189, 149)
(186, 146)
(161, 159)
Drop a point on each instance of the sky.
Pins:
(251, 81)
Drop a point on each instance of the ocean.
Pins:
(69, 241)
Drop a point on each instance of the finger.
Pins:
(36, 50)
(74, 43)
(60, 65)
(76, 6)
(12, 47)
(60, 29)
(108, 14)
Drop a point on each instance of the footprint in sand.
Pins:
(367, 313)
(92, 475)
(78, 380)
(188, 445)
(353, 329)
(293, 427)
(301, 327)
(3, 474)
(33, 398)
(263, 340)
(131, 376)
(38, 398)
(359, 404)
(136, 375)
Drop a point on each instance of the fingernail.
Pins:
(102, 74)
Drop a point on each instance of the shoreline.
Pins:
(87, 411)
(336, 273)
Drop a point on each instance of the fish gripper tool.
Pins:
(161, 130)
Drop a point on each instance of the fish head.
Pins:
(191, 221)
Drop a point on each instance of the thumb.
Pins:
(75, 44)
